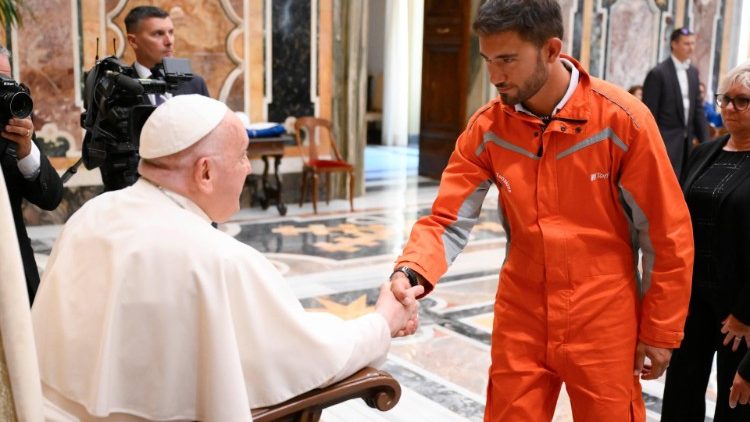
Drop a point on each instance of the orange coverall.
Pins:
(571, 303)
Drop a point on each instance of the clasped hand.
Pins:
(402, 315)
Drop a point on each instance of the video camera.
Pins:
(117, 105)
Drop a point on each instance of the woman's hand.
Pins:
(735, 331)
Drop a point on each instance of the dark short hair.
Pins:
(680, 32)
(535, 21)
(141, 13)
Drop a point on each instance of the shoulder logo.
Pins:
(599, 176)
(503, 181)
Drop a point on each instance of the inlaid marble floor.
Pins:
(336, 260)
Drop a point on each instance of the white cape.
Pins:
(146, 309)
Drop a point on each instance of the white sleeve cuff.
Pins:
(30, 165)
(371, 342)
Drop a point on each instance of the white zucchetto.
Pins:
(179, 123)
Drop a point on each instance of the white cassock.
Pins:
(145, 309)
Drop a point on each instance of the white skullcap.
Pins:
(179, 123)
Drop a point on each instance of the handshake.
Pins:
(398, 304)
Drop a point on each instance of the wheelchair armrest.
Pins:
(377, 388)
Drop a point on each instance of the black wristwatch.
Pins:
(409, 273)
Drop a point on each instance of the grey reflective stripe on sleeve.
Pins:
(502, 143)
(604, 134)
(456, 235)
(640, 223)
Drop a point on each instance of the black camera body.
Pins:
(15, 100)
(117, 106)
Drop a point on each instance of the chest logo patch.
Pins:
(599, 176)
(503, 181)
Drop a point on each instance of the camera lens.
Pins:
(19, 104)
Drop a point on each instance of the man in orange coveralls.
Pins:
(585, 182)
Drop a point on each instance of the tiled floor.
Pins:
(336, 260)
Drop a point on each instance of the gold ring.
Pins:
(28, 132)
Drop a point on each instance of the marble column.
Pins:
(290, 61)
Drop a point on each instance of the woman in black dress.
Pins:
(717, 190)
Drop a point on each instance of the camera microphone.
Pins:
(128, 84)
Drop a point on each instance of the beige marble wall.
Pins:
(224, 39)
(622, 39)
(631, 54)
(45, 55)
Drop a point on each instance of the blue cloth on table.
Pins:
(265, 130)
(713, 116)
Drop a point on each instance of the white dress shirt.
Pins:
(30, 165)
(145, 73)
(574, 75)
(682, 78)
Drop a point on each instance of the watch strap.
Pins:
(409, 273)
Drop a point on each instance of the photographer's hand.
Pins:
(19, 131)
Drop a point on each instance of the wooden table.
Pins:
(266, 148)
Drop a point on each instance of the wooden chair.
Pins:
(377, 388)
(308, 129)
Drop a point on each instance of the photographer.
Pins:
(29, 175)
(151, 35)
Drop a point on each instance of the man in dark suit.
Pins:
(28, 175)
(150, 34)
(671, 93)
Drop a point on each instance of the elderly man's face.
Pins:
(152, 41)
(233, 167)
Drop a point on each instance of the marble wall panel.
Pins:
(201, 31)
(569, 9)
(597, 54)
(632, 55)
(290, 65)
(46, 60)
(706, 15)
(576, 32)
(621, 40)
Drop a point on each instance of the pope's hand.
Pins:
(402, 319)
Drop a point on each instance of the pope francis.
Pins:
(147, 312)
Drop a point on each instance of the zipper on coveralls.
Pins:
(545, 122)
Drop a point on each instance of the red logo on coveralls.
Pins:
(502, 180)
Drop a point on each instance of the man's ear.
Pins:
(203, 175)
(552, 49)
(132, 42)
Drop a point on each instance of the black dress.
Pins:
(717, 190)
